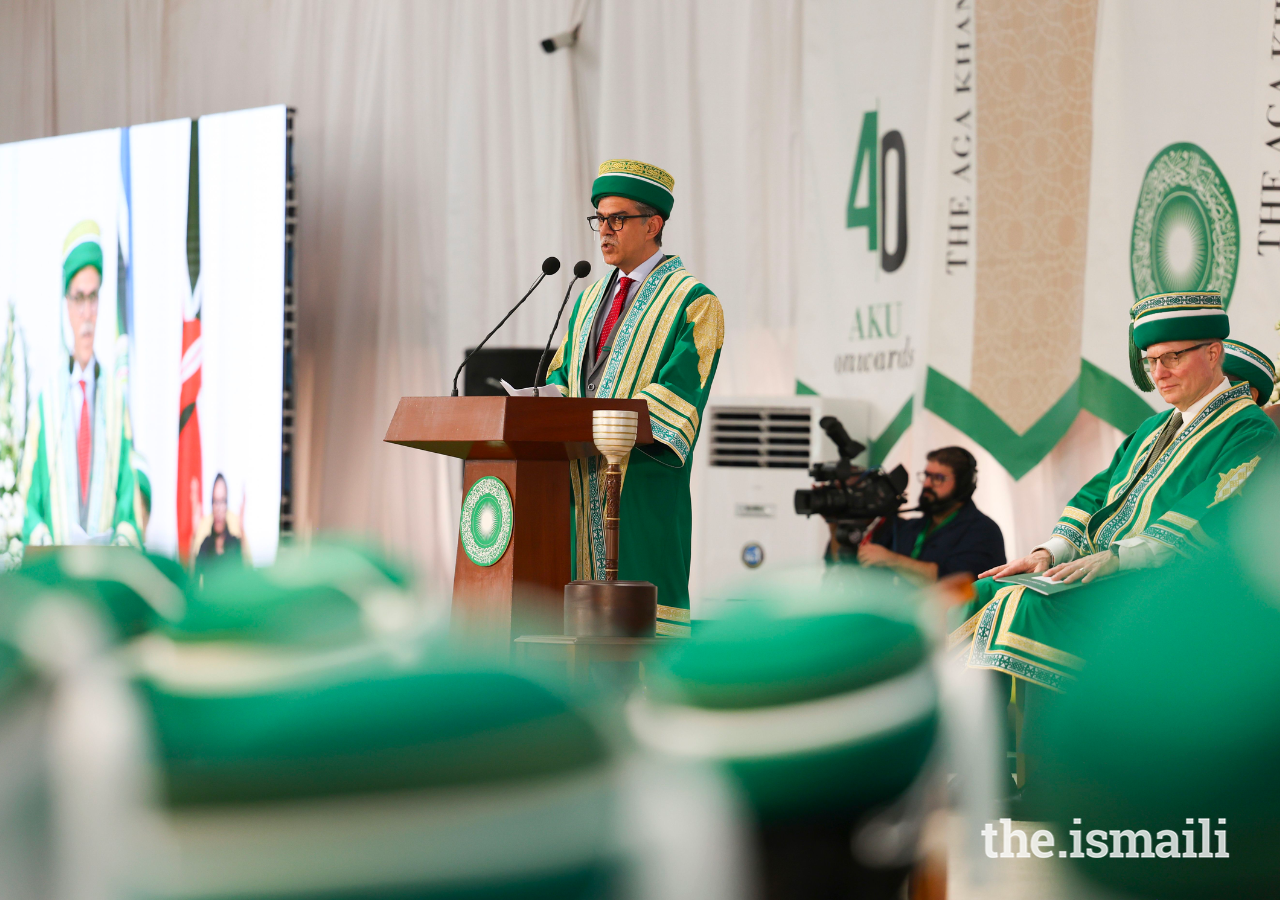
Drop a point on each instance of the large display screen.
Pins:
(142, 282)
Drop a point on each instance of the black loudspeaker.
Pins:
(484, 371)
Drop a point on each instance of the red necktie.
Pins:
(83, 444)
(624, 285)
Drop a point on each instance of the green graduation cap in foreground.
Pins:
(1173, 731)
(822, 704)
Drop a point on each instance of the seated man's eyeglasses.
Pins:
(1172, 359)
(615, 222)
(933, 477)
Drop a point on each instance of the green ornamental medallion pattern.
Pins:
(1186, 233)
(485, 527)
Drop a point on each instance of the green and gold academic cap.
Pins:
(53, 691)
(16, 671)
(378, 783)
(332, 591)
(136, 591)
(1245, 363)
(1196, 316)
(820, 702)
(636, 181)
(83, 247)
(1174, 719)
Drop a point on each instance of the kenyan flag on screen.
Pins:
(190, 488)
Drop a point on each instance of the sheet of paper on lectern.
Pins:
(544, 390)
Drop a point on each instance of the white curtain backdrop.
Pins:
(440, 155)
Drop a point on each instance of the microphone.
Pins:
(580, 270)
(550, 266)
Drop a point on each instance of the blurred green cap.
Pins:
(1175, 717)
(818, 701)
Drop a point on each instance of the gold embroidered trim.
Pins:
(1149, 497)
(1084, 537)
(53, 458)
(965, 631)
(1142, 509)
(655, 326)
(707, 318)
(1026, 644)
(1231, 482)
(1176, 518)
(682, 284)
(659, 413)
(86, 230)
(1079, 515)
(637, 325)
(585, 313)
(1139, 455)
(558, 360)
(111, 469)
(674, 613)
(673, 400)
(31, 448)
(582, 520)
(635, 167)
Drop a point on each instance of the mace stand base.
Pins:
(610, 608)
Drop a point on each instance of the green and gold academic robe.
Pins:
(665, 350)
(50, 478)
(1177, 502)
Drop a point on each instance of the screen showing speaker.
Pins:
(142, 292)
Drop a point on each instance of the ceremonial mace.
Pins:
(612, 607)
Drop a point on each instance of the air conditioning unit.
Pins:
(753, 454)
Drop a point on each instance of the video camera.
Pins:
(850, 496)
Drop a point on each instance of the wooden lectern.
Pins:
(526, 443)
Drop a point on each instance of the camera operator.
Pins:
(951, 536)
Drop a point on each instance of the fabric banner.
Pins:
(985, 305)
(866, 255)
(1185, 188)
(1009, 195)
(920, 289)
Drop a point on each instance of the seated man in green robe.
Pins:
(1244, 364)
(646, 330)
(1158, 499)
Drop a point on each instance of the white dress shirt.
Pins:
(641, 272)
(1137, 551)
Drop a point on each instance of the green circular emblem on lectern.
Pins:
(1186, 233)
(486, 521)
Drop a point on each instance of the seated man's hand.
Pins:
(876, 555)
(1086, 568)
(1034, 562)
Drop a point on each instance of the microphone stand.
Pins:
(544, 274)
(554, 328)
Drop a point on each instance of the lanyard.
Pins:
(929, 529)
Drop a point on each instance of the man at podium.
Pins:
(646, 330)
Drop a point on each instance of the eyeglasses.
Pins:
(933, 477)
(615, 222)
(79, 298)
(1172, 359)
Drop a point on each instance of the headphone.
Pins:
(965, 491)
(967, 481)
